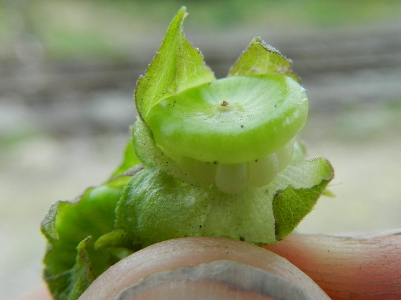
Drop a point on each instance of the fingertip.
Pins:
(159, 269)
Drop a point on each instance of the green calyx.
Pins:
(156, 206)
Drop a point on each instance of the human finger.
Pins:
(359, 267)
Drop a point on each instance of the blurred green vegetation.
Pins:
(72, 29)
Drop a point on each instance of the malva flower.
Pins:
(208, 157)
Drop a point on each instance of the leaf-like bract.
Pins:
(71, 262)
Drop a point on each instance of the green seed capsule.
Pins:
(233, 131)
(231, 120)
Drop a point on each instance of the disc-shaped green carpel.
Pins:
(230, 120)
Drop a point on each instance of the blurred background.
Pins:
(68, 70)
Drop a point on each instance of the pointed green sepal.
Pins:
(262, 59)
(177, 66)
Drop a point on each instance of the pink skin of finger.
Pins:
(359, 267)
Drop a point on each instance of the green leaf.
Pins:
(262, 59)
(299, 187)
(71, 259)
(177, 66)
